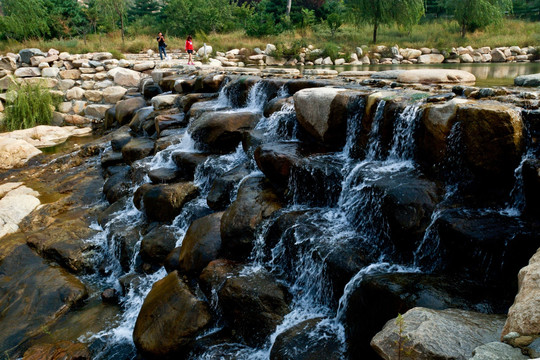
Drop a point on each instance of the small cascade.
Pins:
(516, 204)
(402, 147)
(281, 125)
(374, 148)
(354, 126)
(257, 97)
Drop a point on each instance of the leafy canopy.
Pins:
(476, 14)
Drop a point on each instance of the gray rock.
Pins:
(532, 80)
(439, 334)
(26, 54)
(388, 74)
(496, 351)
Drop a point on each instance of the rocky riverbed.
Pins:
(220, 215)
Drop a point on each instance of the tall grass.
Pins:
(29, 105)
(441, 34)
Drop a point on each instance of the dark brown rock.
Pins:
(63, 350)
(125, 109)
(137, 148)
(157, 244)
(170, 319)
(219, 196)
(164, 202)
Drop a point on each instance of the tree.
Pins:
(380, 12)
(24, 19)
(118, 8)
(334, 22)
(66, 17)
(142, 8)
(476, 14)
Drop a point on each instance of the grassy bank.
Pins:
(442, 34)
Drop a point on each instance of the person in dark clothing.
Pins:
(161, 46)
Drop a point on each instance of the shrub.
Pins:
(331, 49)
(136, 46)
(117, 54)
(29, 105)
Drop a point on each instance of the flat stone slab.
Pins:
(46, 136)
(320, 72)
(387, 74)
(532, 80)
(356, 73)
(436, 76)
(275, 71)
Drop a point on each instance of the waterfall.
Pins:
(374, 150)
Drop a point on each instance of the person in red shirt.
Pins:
(189, 49)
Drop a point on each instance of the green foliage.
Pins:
(403, 349)
(383, 12)
(143, 9)
(24, 19)
(183, 17)
(331, 49)
(263, 22)
(29, 105)
(334, 22)
(476, 14)
(65, 18)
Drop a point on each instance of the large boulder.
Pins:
(170, 319)
(165, 202)
(26, 54)
(380, 297)
(256, 201)
(498, 246)
(253, 305)
(524, 315)
(27, 72)
(113, 94)
(157, 244)
(219, 196)
(221, 132)
(8, 63)
(125, 77)
(430, 59)
(16, 202)
(497, 350)
(15, 153)
(532, 80)
(492, 142)
(436, 76)
(201, 244)
(125, 109)
(323, 114)
(437, 334)
(164, 101)
(137, 148)
(44, 293)
(308, 340)
(188, 100)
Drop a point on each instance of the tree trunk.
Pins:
(289, 3)
(463, 30)
(122, 27)
(375, 26)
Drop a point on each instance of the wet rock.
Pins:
(531, 186)
(221, 132)
(276, 104)
(379, 297)
(110, 118)
(139, 118)
(214, 275)
(187, 163)
(524, 314)
(255, 202)
(219, 196)
(169, 121)
(165, 202)
(44, 293)
(139, 194)
(188, 100)
(497, 350)
(439, 334)
(164, 101)
(323, 114)
(151, 90)
(164, 175)
(62, 350)
(137, 148)
(532, 80)
(308, 340)
(118, 184)
(404, 202)
(170, 319)
(16, 202)
(125, 109)
(201, 244)
(492, 143)
(253, 305)
(111, 158)
(157, 244)
(64, 242)
(498, 246)
(109, 296)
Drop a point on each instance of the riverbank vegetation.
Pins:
(130, 26)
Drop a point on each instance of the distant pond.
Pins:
(489, 74)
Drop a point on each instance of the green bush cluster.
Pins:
(29, 105)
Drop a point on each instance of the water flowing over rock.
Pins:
(444, 334)
(170, 319)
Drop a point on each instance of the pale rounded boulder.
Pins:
(524, 314)
(436, 76)
(45, 136)
(430, 59)
(16, 202)
(15, 152)
(113, 94)
(125, 77)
